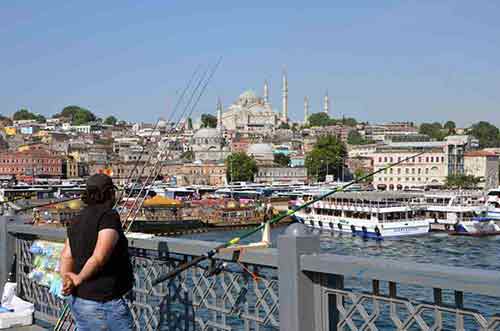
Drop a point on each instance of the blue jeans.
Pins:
(99, 316)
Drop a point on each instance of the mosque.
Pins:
(250, 112)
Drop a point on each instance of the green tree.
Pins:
(78, 115)
(462, 181)
(25, 114)
(110, 120)
(208, 121)
(354, 138)
(433, 130)
(282, 159)
(349, 121)
(487, 134)
(450, 125)
(240, 167)
(319, 119)
(326, 157)
(359, 173)
(284, 126)
(190, 123)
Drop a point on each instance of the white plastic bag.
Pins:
(9, 291)
(11, 301)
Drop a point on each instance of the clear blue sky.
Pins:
(379, 60)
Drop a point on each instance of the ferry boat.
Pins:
(492, 204)
(375, 215)
(447, 208)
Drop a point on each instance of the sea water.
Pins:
(434, 248)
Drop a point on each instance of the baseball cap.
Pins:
(101, 182)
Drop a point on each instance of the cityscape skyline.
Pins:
(417, 62)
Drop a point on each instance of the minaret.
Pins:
(266, 93)
(306, 110)
(219, 114)
(284, 115)
(326, 104)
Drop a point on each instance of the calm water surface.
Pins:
(436, 248)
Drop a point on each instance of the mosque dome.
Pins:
(248, 97)
(260, 149)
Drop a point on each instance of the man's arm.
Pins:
(106, 242)
(66, 261)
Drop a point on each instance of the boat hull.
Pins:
(367, 230)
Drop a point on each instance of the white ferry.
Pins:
(375, 215)
(492, 205)
(447, 208)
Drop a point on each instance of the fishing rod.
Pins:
(278, 218)
(146, 164)
(159, 164)
(171, 118)
(64, 316)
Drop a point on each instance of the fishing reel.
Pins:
(214, 268)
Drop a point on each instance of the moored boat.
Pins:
(375, 215)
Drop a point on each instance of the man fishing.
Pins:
(95, 264)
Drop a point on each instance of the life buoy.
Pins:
(377, 231)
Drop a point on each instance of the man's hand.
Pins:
(75, 279)
(68, 285)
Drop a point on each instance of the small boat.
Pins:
(479, 226)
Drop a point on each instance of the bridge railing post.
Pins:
(299, 301)
(7, 249)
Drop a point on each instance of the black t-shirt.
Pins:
(115, 278)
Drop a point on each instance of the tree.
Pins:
(282, 159)
(354, 138)
(78, 115)
(319, 119)
(462, 181)
(450, 125)
(111, 120)
(349, 121)
(240, 167)
(326, 157)
(359, 173)
(190, 123)
(284, 126)
(487, 134)
(25, 114)
(208, 121)
(433, 130)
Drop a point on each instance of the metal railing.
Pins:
(294, 287)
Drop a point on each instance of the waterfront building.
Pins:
(208, 144)
(29, 164)
(429, 169)
(297, 160)
(262, 153)
(482, 164)
(195, 173)
(441, 158)
(383, 132)
(273, 174)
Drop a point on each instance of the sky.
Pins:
(379, 60)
